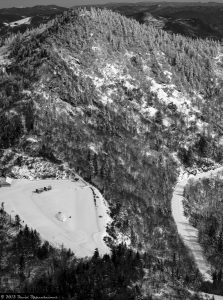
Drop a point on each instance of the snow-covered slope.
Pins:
(19, 22)
(70, 214)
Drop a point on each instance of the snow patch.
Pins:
(168, 74)
(23, 172)
(151, 111)
(201, 125)
(96, 48)
(221, 141)
(94, 148)
(128, 85)
(167, 122)
(26, 92)
(110, 71)
(98, 82)
(123, 239)
(106, 100)
(218, 58)
(20, 22)
(129, 54)
(167, 93)
(32, 140)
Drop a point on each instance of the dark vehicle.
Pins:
(48, 188)
(39, 191)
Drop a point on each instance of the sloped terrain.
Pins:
(203, 206)
(123, 105)
(15, 19)
(188, 232)
(193, 19)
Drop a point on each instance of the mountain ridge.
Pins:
(37, 14)
(187, 18)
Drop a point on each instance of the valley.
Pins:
(192, 19)
(13, 20)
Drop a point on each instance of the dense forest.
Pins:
(31, 265)
(191, 62)
(48, 89)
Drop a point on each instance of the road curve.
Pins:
(187, 232)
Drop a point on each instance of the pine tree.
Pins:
(17, 221)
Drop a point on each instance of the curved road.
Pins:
(187, 232)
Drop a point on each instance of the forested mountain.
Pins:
(123, 105)
(20, 19)
(194, 19)
(190, 19)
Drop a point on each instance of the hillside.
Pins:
(199, 222)
(16, 19)
(203, 205)
(193, 19)
(123, 105)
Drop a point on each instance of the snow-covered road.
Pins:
(187, 232)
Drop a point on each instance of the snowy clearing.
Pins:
(19, 22)
(188, 233)
(218, 297)
(72, 214)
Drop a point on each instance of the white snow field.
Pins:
(19, 22)
(218, 297)
(188, 233)
(66, 215)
